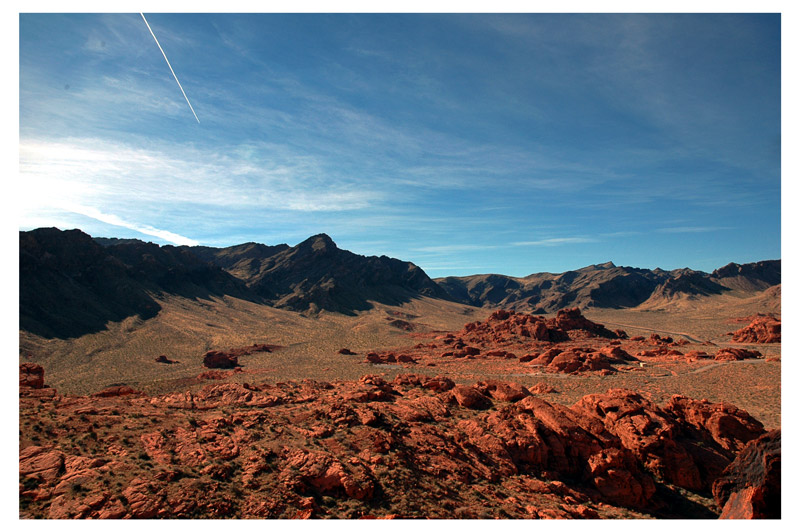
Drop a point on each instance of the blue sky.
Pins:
(464, 143)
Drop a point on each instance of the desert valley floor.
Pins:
(308, 348)
(324, 416)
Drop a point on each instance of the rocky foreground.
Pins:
(417, 446)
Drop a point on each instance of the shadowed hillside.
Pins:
(70, 285)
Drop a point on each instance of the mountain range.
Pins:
(72, 284)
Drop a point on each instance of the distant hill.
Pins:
(749, 277)
(607, 286)
(72, 284)
(317, 275)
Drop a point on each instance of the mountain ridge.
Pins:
(608, 286)
(99, 280)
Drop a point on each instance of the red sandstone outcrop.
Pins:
(117, 391)
(31, 376)
(762, 330)
(750, 486)
(573, 320)
(696, 355)
(504, 325)
(734, 353)
(657, 339)
(502, 390)
(417, 445)
(661, 351)
(727, 425)
(541, 388)
(684, 442)
(469, 397)
(230, 359)
(220, 360)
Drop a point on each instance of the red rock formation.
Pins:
(573, 360)
(662, 439)
(657, 339)
(734, 353)
(503, 391)
(402, 325)
(220, 360)
(661, 351)
(762, 330)
(504, 325)
(117, 391)
(617, 354)
(750, 487)
(573, 320)
(31, 376)
(696, 355)
(389, 357)
(730, 427)
(469, 397)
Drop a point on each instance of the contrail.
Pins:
(170, 68)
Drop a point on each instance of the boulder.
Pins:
(31, 376)
(503, 391)
(750, 487)
(469, 397)
(117, 391)
(220, 360)
(541, 388)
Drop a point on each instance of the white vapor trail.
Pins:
(170, 68)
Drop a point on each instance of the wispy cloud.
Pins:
(691, 229)
(451, 248)
(112, 219)
(619, 234)
(556, 241)
(243, 176)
